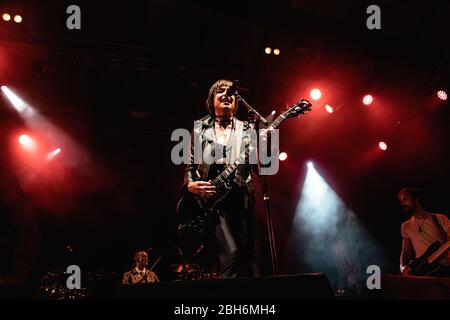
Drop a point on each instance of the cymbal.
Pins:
(185, 268)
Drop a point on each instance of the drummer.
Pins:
(140, 273)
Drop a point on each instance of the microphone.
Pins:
(231, 91)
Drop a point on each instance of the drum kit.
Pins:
(186, 271)
(190, 271)
(53, 287)
(53, 284)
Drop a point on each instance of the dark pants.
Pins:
(234, 241)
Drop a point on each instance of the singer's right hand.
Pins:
(202, 188)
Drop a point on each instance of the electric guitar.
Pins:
(197, 212)
(424, 265)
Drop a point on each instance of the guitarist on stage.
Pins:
(231, 247)
(420, 232)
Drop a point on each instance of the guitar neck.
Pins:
(443, 248)
(279, 120)
(229, 169)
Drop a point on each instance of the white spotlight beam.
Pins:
(16, 102)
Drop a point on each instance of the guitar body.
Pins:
(196, 215)
(192, 211)
(421, 266)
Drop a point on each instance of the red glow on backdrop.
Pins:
(59, 170)
(315, 94)
(442, 95)
(382, 145)
(368, 99)
(47, 180)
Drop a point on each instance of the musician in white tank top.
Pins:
(420, 231)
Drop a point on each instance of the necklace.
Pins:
(227, 131)
(421, 224)
(223, 119)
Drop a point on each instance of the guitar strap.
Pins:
(442, 233)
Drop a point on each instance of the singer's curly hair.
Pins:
(414, 193)
(213, 91)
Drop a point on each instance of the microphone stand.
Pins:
(250, 109)
(265, 187)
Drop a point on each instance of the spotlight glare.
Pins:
(383, 146)
(442, 95)
(319, 213)
(27, 142)
(268, 50)
(6, 17)
(24, 139)
(52, 154)
(315, 94)
(368, 99)
(276, 52)
(310, 165)
(18, 19)
(282, 156)
(273, 112)
(329, 108)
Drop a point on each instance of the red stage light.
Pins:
(442, 95)
(368, 99)
(329, 108)
(52, 154)
(27, 142)
(24, 139)
(282, 156)
(18, 19)
(315, 94)
(383, 146)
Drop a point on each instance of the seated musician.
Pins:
(140, 274)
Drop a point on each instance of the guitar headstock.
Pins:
(298, 109)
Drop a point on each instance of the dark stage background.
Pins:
(137, 70)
